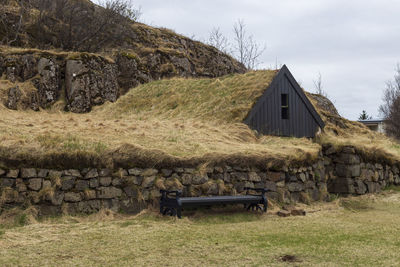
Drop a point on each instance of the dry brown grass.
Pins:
(224, 99)
(352, 232)
(44, 134)
(191, 121)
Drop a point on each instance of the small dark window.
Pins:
(285, 106)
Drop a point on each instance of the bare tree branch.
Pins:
(246, 49)
(218, 40)
(319, 89)
(390, 109)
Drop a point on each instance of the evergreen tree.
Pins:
(364, 116)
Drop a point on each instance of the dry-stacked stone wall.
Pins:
(338, 171)
(349, 173)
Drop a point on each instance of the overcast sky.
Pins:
(354, 44)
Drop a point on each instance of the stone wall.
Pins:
(339, 171)
(349, 173)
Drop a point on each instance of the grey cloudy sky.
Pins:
(354, 44)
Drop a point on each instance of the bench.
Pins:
(172, 203)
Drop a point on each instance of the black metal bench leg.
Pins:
(179, 212)
(265, 204)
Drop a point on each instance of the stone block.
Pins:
(295, 187)
(271, 186)
(108, 192)
(42, 173)
(94, 183)
(372, 187)
(275, 176)
(116, 182)
(329, 151)
(227, 177)
(189, 170)
(20, 186)
(360, 188)
(239, 176)
(104, 172)
(28, 173)
(90, 194)
(12, 174)
(186, 179)
(149, 172)
(35, 184)
(54, 174)
(310, 185)
(166, 172)
(254, 177)
(349, 150)
(46, 184)
(298, 212)
(7, 182)
(2, 172)
(34, 197)
(283, 213)
(92, 174)
(131, 191)
(57, 198)
(72, 197)
(82, 185)
(199, 179)
(302, 177)
(148, 181)
(219, 169)
(135, 171)
(345, 171)
(72, 172)
(67, 183)
(342, 186)
(105, 181)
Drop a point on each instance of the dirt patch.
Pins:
(290, 258)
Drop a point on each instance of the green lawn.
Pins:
(348, 232)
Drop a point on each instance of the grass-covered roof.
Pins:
(228, 98)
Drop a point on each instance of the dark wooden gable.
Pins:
(284, 109)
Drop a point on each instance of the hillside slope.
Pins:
(137, 54)
(175, 122)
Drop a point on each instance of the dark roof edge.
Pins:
(284, 71)
(303, 96)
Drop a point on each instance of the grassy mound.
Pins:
(227, 99)
(176, 121)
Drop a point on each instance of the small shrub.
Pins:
(21, 220)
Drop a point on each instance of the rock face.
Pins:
(90, 82)
(49, 86)
(14, 95)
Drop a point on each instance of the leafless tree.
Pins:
(390, 109)
(218, 40)
(319, 89)
(245, 48)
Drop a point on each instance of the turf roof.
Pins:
(228, 98)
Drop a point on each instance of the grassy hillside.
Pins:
(350, 232)
(191, 121)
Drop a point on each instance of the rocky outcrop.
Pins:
(90, 82)
(49, 83)
(89, 79)
(14, 95)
